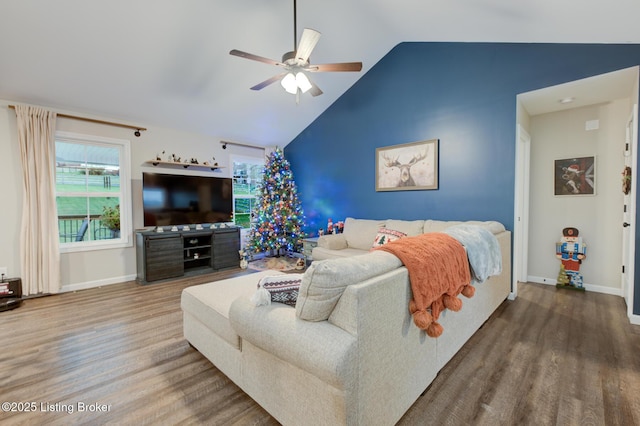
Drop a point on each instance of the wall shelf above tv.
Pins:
(174, 165)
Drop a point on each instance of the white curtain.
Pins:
(39, 251)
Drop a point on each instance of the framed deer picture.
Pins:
(409, 166)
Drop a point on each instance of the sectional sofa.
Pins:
(348, 353)
(359, 234)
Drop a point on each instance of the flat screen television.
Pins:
(182, 200)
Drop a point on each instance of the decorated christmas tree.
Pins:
(278, 218)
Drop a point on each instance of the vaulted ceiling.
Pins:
(166, 62)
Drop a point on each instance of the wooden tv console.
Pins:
(173, 254)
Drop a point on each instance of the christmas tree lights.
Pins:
(278, 217)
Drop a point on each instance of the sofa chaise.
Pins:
(348, 353)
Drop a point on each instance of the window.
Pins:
(92, 192)
(247, 175)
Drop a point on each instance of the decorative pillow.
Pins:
(386, 235)
(279, 288)
(325, 281)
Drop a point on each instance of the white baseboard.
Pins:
(541, 280)
(633, 319)
(97, 283)
(589, 287)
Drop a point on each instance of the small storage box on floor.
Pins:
(10, 294)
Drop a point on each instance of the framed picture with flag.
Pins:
(575, 176)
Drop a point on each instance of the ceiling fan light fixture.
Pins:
(293, 79)
(303, 82)
(289, 83)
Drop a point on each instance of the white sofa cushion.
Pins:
(440, 225)
(210, 302)
(491, 225)
(321, 349)
(325, 281)
(431, 225)
(333, 241)
(321, 253)
(360, 233)
(409, 227)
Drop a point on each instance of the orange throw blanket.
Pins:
(438, 271)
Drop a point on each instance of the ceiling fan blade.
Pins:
(343, 66)
(308, 41)
(315, 90)
(269, 81)
(253, 57)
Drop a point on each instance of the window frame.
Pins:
(247, 159)
(124, 147)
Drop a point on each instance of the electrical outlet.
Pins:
(3, 271)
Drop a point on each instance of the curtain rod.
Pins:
(137, 129)
(225, 143)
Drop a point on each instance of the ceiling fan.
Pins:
(296, 63)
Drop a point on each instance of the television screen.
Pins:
(182, 200)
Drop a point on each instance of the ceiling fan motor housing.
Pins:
(296, 63)
(289, 59)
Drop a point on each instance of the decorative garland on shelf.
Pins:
(178, 160)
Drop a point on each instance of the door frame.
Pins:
(628, 293)
(521, 209)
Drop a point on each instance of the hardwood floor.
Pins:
(550, 357)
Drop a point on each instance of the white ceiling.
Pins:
(166, 62)
(587, 91)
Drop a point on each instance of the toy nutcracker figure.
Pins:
(571, 251)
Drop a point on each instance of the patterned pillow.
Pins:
(279, 288)
(386, 235)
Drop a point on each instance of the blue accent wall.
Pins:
(463, 94)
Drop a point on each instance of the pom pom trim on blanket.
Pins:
(438, 272)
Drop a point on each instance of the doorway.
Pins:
(599, 90)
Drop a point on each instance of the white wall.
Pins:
(562, 135)
(93, 268)
(522, 117)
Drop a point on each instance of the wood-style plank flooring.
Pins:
(551, 357)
